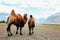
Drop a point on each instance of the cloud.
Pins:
(38, 8)
(10, 1)
(6, 4)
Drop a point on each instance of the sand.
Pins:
(39, 34)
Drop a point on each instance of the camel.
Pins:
(17, 20)
(31, 25)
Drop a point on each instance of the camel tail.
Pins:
(7, 20)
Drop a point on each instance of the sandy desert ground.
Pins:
(40, 33)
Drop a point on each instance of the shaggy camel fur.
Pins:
(17, 20)
(31, 25)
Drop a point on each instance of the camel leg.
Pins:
(8, 30)
(21, 31)
(30, 31)
(17, 29)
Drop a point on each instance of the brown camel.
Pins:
(17, 20)
(31, 25)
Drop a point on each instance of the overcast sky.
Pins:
(38, 8)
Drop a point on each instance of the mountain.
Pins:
(51, 19)
(54, 18)
(3, 16)
(39, 20)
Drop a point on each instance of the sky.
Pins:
(38, 8)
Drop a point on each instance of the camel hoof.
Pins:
(30, 34)
(10, 34)
(16, 32)
(21, 34)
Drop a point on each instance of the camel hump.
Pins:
(31, 20)
(13, 13)
(19, 17)
(19, 14)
